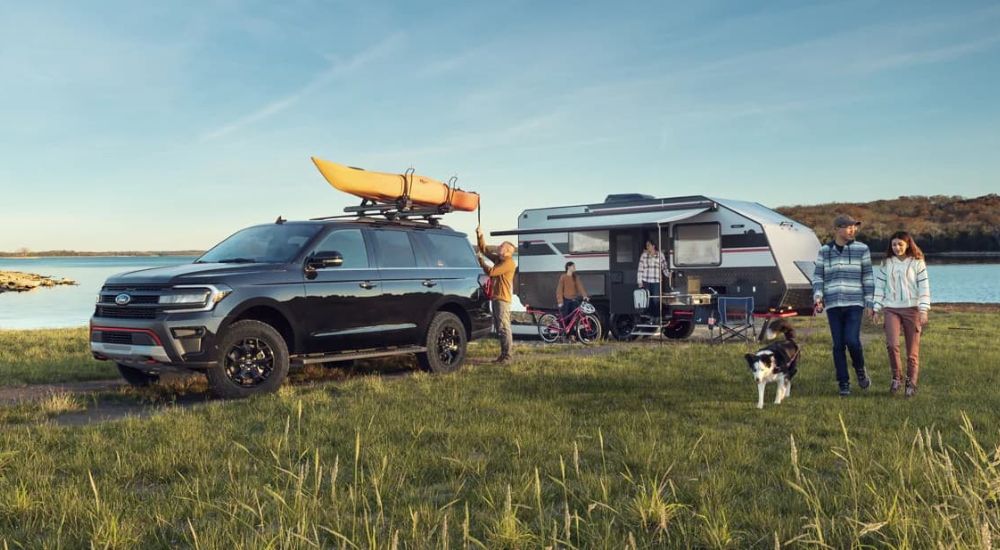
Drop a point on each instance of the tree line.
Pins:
(938, 223)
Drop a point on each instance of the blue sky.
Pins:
(170, 125)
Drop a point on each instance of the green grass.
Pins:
(49, 356)
(651, 446)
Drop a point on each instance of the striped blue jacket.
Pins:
(844, 278)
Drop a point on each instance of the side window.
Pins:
(697, 244)
(351, 245)
(448, 250)
(588, 242)
(393, 249)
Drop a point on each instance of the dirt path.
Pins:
(13, 395)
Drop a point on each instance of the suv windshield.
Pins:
(262, 244)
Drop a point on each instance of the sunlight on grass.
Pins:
(645, 446)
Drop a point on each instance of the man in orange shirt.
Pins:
(502, 275)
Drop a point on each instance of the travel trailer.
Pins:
(715, 247)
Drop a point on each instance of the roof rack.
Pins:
(398, 210)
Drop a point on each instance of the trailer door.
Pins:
(623, 263)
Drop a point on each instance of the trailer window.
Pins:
(697, 244)
(588, 242)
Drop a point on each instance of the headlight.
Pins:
(186, 298)
(198, 297)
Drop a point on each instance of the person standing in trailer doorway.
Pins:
(652, 264)
(844, 285)
(502, 277)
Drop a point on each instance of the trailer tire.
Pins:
(678, 329)
(622, 325)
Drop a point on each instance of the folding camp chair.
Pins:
(735, 319)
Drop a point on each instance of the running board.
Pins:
(646, 330)
(350, 356)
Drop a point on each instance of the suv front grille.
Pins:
(125, 312)
(146, 299)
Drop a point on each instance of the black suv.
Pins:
(296, 293)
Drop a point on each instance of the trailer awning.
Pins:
(603, 222)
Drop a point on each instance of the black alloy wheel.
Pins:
(253, 359)
(446, 344)
(249, 362)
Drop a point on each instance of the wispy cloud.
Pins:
(338, 67)
(929, 55)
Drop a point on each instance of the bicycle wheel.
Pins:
(549, 328)
(588, 329)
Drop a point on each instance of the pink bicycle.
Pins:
(582, 321)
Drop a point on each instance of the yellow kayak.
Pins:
(383, 186)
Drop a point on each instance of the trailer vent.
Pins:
(627, 197)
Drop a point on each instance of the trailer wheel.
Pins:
(622, 325)
(678, 329)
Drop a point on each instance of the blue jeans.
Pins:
(845, 327)
(567, 308)
(653, 309)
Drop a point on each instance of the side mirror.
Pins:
(321, 260)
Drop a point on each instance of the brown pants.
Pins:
(909, 319)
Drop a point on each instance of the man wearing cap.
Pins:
(502, 273)
(843, 285)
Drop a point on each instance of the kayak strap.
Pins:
(452, 186)
(407, 186)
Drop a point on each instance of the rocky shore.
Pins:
(16, 281)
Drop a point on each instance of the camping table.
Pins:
(768, 318)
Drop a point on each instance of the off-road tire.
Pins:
(446, 344)
(248, 349)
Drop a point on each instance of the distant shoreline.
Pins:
(110, 254)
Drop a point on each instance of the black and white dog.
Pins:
(777, 362)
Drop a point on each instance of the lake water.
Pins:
(69, 306)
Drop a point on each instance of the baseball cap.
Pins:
(845, 220)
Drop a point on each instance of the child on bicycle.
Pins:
(569, 291)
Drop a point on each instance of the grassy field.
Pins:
(47, 356)
(635, 446)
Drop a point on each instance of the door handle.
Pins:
(429, 283)
(367, 285)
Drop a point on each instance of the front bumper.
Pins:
(186, 341)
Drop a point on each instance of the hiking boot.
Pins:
(863, 380)
(894, 386)
(911, 390)
(845, 390)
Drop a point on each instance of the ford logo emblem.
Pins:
(123, 299)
